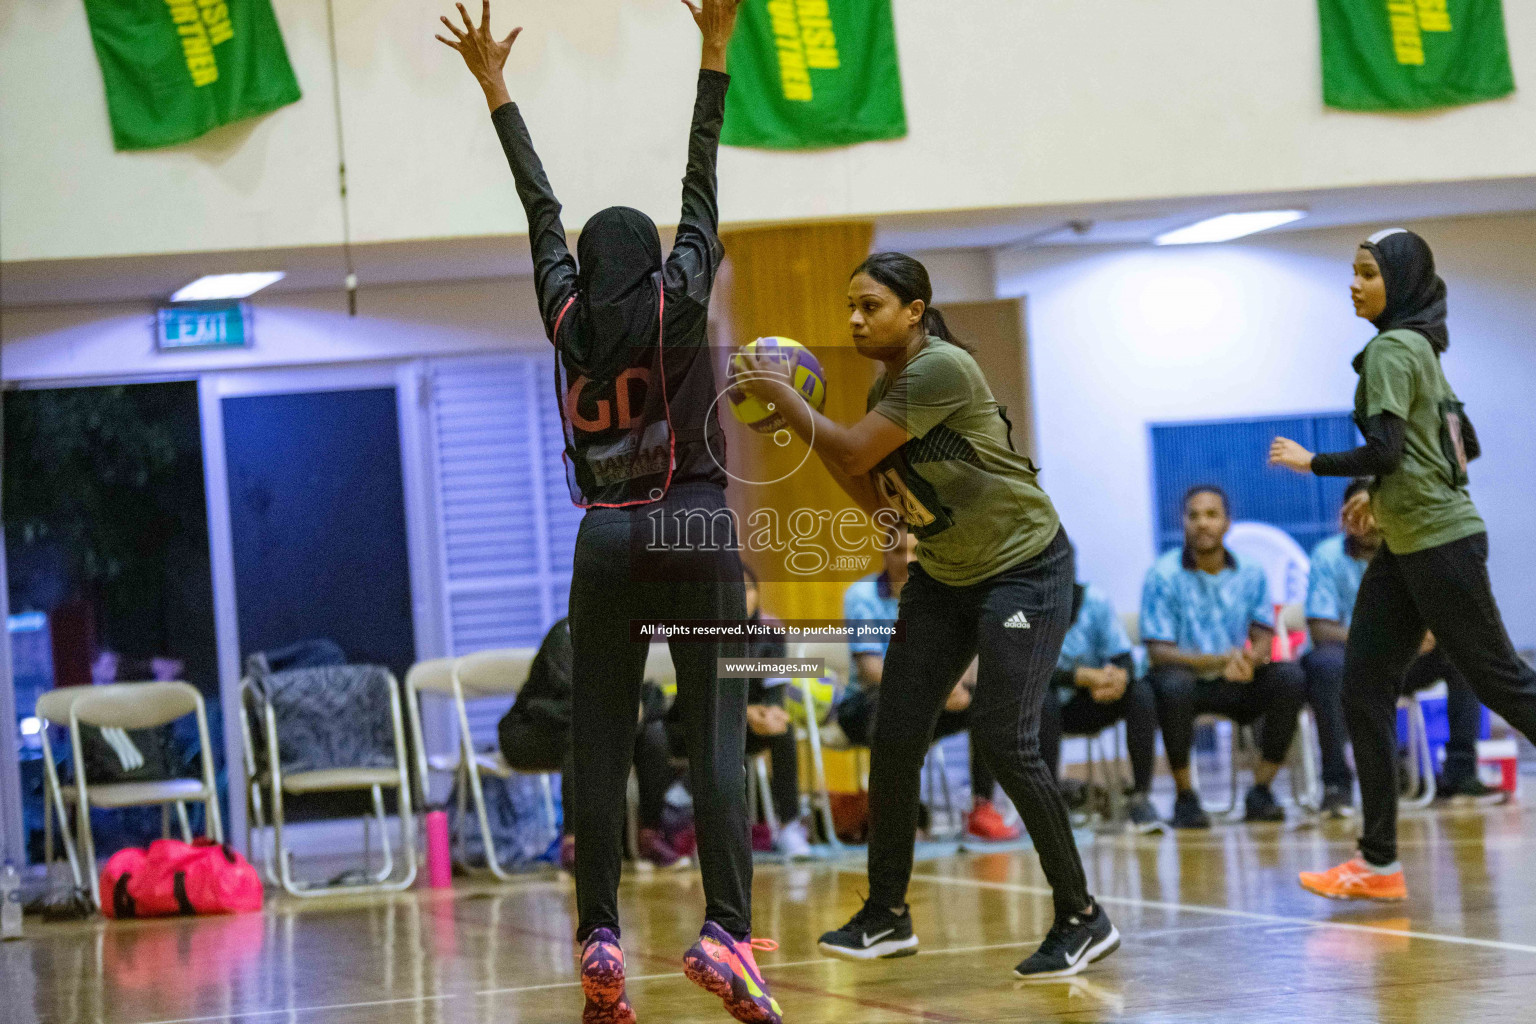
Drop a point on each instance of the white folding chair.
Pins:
(375, 780)
(53, 709)
(1419, 788)
(140, 706)
(485, 674)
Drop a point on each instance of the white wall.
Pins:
(62, 343)
(1126, 337)
(1010, 103)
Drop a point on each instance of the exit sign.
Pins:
(202, 325)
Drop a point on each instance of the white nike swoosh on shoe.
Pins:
(870, 940)
(1073, 958)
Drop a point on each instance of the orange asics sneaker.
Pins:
(719, 964)
(986, 823)
(1355, 880)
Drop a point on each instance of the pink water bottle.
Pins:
(439, 857)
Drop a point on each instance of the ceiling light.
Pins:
(1228, 226)
(226, 286)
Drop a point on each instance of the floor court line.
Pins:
(1195, 908)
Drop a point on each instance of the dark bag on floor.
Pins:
(519, 822)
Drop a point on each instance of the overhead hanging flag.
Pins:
(1413, 54)
(807, 74)
(176, 69)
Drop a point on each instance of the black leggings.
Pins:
(1277, 693)
(1325, 692)
(783, 762)
(530, 750)
(859, 708)
(945, 628)
(1444, 589)
(619, 577)
(1084, 716)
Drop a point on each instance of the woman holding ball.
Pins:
(1431, 571)
(636, 392)
(993, 579)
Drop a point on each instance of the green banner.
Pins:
(1413, 54)
(812, 73)
(175, 69)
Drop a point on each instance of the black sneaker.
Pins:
(1187, 812)
(1072, 945)
(1143, 816)
(874, 933)
(1468, 791)
(1260, 805)
(1337, 803)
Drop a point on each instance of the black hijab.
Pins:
(1415, 293)
(618, 258)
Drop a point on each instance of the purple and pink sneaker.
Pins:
(602, 980)
(719, 964)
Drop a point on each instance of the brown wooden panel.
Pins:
(793, 282)
(995, 329)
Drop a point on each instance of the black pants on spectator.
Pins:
(856, 714)
(528, 750)
(1084, 716)
(945, 628)
(1445, 590)
(783, 762)
(1325, 692)
(1277, 693)
(620, 576)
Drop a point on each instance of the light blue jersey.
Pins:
(1197, 611)
(1333, 581)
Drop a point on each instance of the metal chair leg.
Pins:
(765, 795)
(389, 857)
(1421, 767)
(818, 768)
(547, 790)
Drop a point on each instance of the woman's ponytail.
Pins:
(908, 279)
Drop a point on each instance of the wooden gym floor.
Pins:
(1215, 930)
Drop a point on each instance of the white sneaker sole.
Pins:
(879, 951)
(1092, 955)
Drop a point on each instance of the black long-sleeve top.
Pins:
(1382, 452)
(689, 272)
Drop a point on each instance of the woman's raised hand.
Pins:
(716, 20)
(483, 53)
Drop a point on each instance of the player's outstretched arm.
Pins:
(697, 252)
(554, 269)
(716, 20)
(483, 53)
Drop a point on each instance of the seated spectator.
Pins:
(1199, 607)
(769, 728)
(1095, 686)
(1338, 563)
(876, 598)
(535, 736)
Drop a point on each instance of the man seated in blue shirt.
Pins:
(1208, 626)
(1095, 686)
(1338, 563)
(876, 598)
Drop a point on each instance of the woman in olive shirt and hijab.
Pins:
(1431, 571)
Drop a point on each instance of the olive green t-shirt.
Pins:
(1420, 504)
(968, 497)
